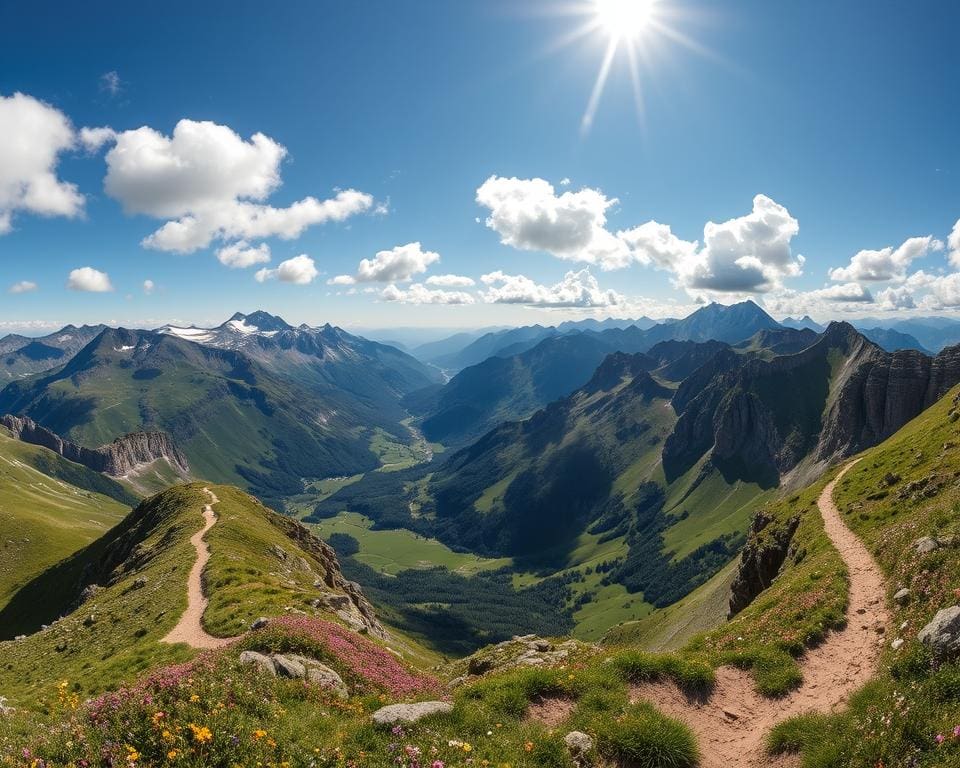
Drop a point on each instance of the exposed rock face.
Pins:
(122, 456)
(844, 394)
(337, 595)
(761, 560)
(520, 651)
(410, 713)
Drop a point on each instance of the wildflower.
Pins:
(956, 731)
(939, 739)
(194, 699)
(173, 754)
(201, 734)
(437, 764)
(259, 734)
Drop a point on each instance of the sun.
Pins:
(635, 32)
(624, 18)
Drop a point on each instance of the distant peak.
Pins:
(259, 321)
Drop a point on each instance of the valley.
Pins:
(668, 510)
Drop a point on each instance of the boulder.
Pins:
(289, 666)
(901, 596)
(579, 744)
(323, 676)
(259, 623)
(259, 660)
(410, 713)
(942, 634)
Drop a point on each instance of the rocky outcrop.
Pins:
(297, 668)
(835, 398)
(519, 651)
(121, 457)
(761, 559)
(337, 595)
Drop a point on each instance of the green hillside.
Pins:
(49, 508)
(261, 564)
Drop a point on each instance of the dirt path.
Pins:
(732, 723)
(190, 629)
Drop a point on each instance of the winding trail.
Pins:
(733, 721)
(190, 629)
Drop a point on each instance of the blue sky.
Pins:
(452, 120)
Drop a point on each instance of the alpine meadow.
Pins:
(429, 384)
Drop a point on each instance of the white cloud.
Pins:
(888, 263)
(93, 139)
(32, 137)
(110, 82)
(300, 270)
(24, 286)
(450, 281)
(576, 290)
(420, 294)
(654, 244)
(565, 182)
(396, 265)
(530, 216)
(211, 184)
(89, 280)
(848, 297)
(149, 287)
(953, 243)
(893, 298)
(747, 254)
(240, 255)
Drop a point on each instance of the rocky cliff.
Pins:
(763, 418)
(119, 458)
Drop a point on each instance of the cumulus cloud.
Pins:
(420, 294)
(576, 290)
(953, 243)
(94, 139)
(149, 287)
(886, 264)
(745, 255)
(451, 281)
(24, 286)
(241, 254)
(211, 184)
(89, 280)
(848, 297)
(530, 216)
(33, 135)
(396, 265)
(300, 270)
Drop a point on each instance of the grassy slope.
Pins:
(44, 519)
(904, 489)
(248, 576)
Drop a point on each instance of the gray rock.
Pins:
(4, 709)
(139, 583)
(925, 545)
(579, 744)
(942, 634)
(260, 623)
(260, 660)
(90, 620)
(410, 713)
(901, 597)
(323, 676)
(289, 666)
